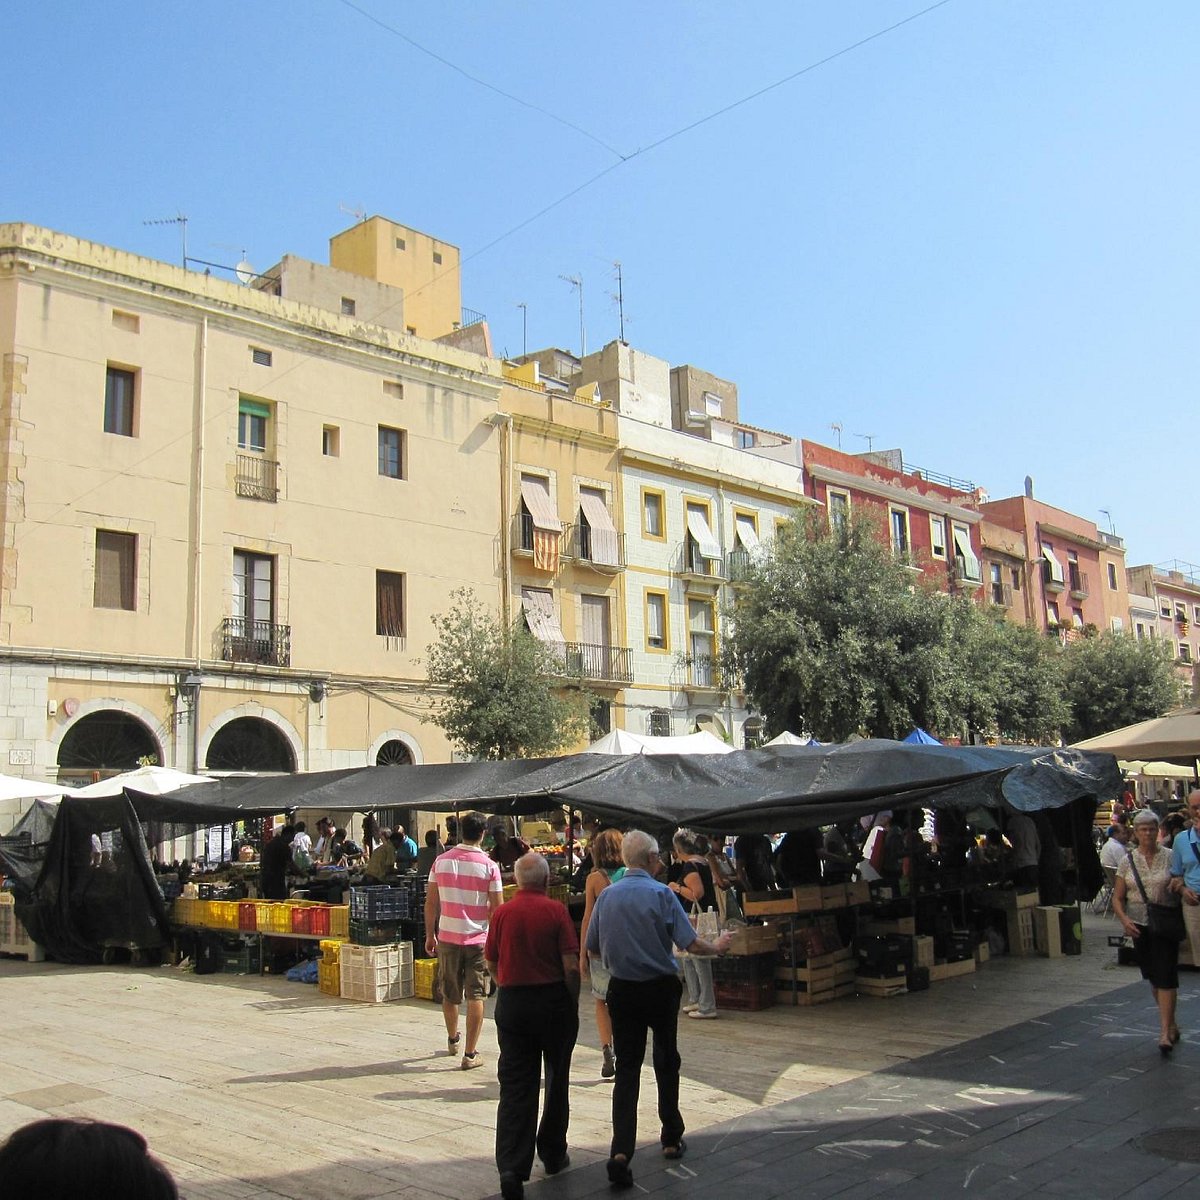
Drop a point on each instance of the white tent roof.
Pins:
(155, 781)
(621, 741)
(13, 787)
(787, 739)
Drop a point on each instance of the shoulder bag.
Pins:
(1162, 920)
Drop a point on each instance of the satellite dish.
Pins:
(245, 272)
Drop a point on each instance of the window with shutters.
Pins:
(115, 583)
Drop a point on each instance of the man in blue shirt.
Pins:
(636, 924)
(1185, 873)
(406, 849)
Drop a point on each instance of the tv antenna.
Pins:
(524, 327)
(244, 272)
(180, 220)
(359, 214)
(837, 430)
(869, 438)
(619, 297)
(1111, 527)
(577, 283)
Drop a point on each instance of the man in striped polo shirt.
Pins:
(464, 889)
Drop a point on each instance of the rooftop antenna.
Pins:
(620, 299)
(577, 283)
(1111, 527)
(244, 271)
(180, 220)
(524, 327)
(359, 214)
(869, 438)
(837, 430)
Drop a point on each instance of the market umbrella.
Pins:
(1177, 735)
(787, 739)
(621, 741)
(13, 787)
(149, 781)
(919, 737)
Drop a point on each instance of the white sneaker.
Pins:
(697, 1015)
(689, 1008)
(471, 1061)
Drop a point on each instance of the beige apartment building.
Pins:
(230, 511)
(1171, 593)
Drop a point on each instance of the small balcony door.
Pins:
(253, 590)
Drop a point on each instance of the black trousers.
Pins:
(637, 1008)
(536, 1028)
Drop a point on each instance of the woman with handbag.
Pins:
(691, 880)
(607, 868)
(1141, 900)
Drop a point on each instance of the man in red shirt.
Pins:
(533, 954)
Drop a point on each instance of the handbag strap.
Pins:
(1141, 886)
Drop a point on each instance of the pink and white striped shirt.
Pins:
(465, 876)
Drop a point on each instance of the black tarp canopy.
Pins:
(748, 791)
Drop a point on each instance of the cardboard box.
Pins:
(1047, 932)
(858, 893)
(765, 904)
(833, 896)
(1006, 898)
(983, 954)
(907, 926)
(922, 952)
(754, 939)
(940, 971)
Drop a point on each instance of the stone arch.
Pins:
(395, 735)
(288, 739)
(109, 735)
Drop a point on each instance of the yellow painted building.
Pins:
(229, 514)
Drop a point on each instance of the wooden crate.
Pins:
(845, 991)
(941, 971)
(905, 926)
(754, 939)
(765, 904)
(881, 988)
(858, 893)
(833, 896)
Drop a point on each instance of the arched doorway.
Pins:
(249, 744)
(108, 742)
(394, 753)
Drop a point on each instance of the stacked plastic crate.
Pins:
(329, 970)
(376, 974)
(376, 914)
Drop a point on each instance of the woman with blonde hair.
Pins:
(607, 868)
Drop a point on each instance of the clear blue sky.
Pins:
(973, 237)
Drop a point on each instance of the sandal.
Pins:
(675, 1151)
(1175, 1035)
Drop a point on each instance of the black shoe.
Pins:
(619, 1173)
(676, 1151)
(511, 1187)
(558, 1164)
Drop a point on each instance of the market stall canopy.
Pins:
(746, 791)
(787, 739)
(1177, 735)
(150, 781)
(620, 741)
(23, 850)
(919, 737)
(1156, 770)
(13, 787)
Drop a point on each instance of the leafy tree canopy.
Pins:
(502, 690)
(1111, 680)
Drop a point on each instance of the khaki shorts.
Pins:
(462, 969)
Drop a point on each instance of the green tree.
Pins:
(837, 636)
(502, 694)
(1112, 679)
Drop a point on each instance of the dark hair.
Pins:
(431, 838)
(57, 1159)
(472, 828)
(301, 827)
(288, 834)
(339, 833)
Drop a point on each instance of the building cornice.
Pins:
(695, 473)
(887, 491)
(1080, 539)
(563, 433)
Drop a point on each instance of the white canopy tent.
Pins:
(621, 741)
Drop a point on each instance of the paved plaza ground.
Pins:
(1029, 1076)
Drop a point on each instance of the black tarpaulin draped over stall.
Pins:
(23, 851)
(96, 888)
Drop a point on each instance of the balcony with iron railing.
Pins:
(1049, 582)
(256, 477)
(599, 663)
(582, 543)
(739, 565)
(264, 642)
(706, 673)
(694, 568)
(966, 572)
(1077, 581)
(522, 535)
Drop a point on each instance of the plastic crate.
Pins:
(559, 892)
(186, 911)
(171, 889)
(376, 974)
(247, 916)
(745, 995)
(329, 978)
(223, 914)
(274, 918)
(339, 921)
(245, 960)
(425, 979)
(749, 968)
(331, 951)
(365, 933)
(310, 918)
(375, 904)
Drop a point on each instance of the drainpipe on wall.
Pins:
(193, 681)
(502, 423)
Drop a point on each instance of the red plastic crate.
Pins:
(318, 921)
(745, 996)
(248, 916)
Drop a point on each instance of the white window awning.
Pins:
(604, 532)
(697, 525)
(1056, 568)
(747, 534)
(541, 617)
(535, 491)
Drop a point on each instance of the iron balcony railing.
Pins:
(470, 316)
(247, 641)
(967, 572)
(1078, 582)
(690, 561)
(522, 536)
(579, 540)
(257, 477)
(707, 673)
(739, 565)
(612, 664)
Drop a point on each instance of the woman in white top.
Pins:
(1157, 956)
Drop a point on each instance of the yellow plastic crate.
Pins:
(329, 978)
(510, 890)
(187, 910)
(424, 978)
(223, 914)
(275, 918)
(339, 921)
(559, 892)
(331, 950)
